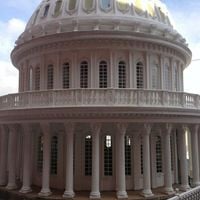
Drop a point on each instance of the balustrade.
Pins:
(99, 97)
(193, 194)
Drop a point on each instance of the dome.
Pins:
(61, 16)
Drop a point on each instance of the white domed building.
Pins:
(101, 105)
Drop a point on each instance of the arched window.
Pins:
(108, 155)
(127, 155)
(40, 153)
(50, 72)
(122, 74)
(54, 154)
(37, 78)
(57, 7)
(88, 4)
(167, 77)
(66, 75)
(46, 10)
(155, 76)
(105, 4)
(84, 74)
(158, 154)
(103, 74)
(72, 4)
(140, 75)
(88, 155)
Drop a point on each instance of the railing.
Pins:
(193, 194)
(100, 97)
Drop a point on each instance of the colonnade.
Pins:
(8, 147)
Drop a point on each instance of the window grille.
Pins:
(88, 155)
(40, 153)
(158, 154)
(141, 158)
(122, 74)
(84, 74)
(37, 78)
(140, 75)
(108, 155)
(66, 75)
(50, 77)
(127, 156)
(103, 74)
(54, 155)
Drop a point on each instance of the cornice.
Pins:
(52, 44)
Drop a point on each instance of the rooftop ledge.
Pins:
(99, 97)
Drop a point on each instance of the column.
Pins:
(195, 155)
(120, 161)
(3, 155)
(45, 191)
(183, 160)
(146, 162)
(69, 190)
(26, 187)
(95, 194)
(12, 149)
(167, 158)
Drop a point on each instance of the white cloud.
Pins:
(10, 30)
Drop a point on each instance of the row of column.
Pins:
(11, 140)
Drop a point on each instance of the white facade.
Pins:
(101, 105)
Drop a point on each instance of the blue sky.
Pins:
(15, 13)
